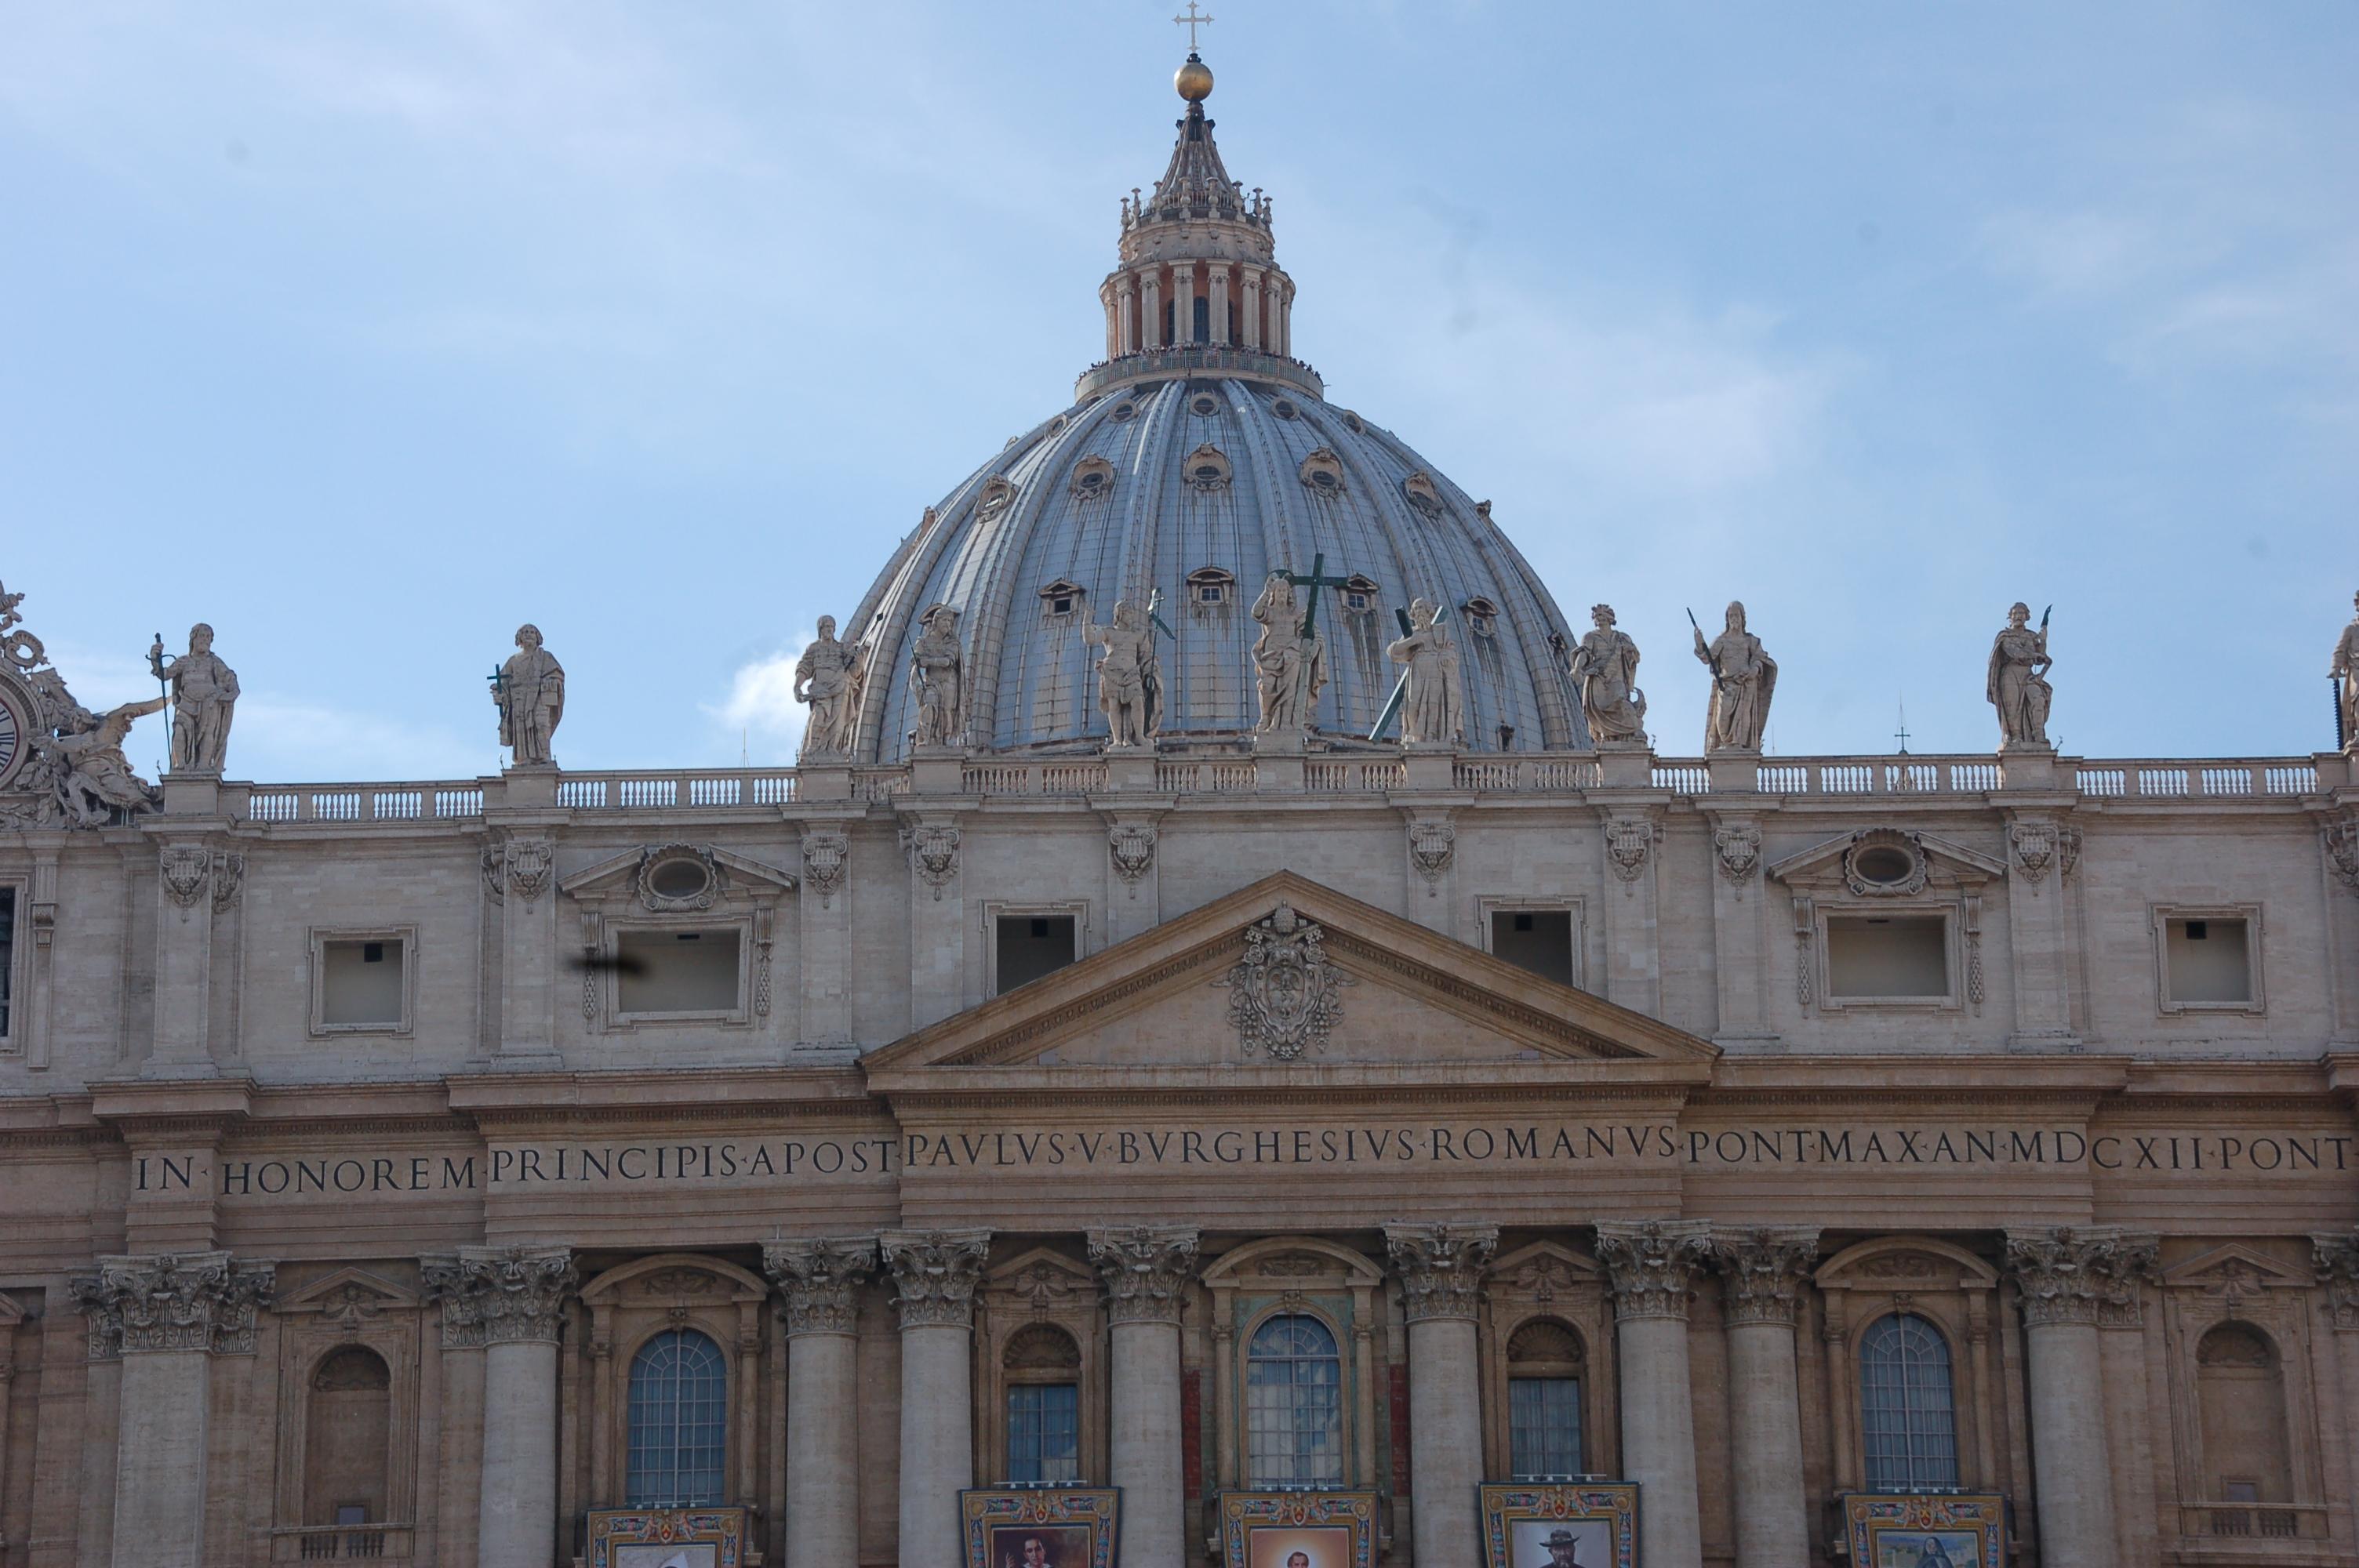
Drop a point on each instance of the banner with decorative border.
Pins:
(1325, 1529)
(1041, 1527)
(1560, 1524)
(1911, 1529)
(663, 1538)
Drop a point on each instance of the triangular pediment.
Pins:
(348, 1293)
(1874, 861)
(677, 877)
(1286, 973)
(2232, 1263)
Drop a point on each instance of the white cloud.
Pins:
(761, 702)
(274, 740)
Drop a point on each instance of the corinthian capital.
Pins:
(2335, 1260)
(1440, 1265)
(934, 1274)
(173, 1301)
(1650, 1262)
(1762, 1268)
(1145, 1269)
(2071, 1274)
(498, 1295)
(820, 1276)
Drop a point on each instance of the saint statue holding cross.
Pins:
(1289, 657)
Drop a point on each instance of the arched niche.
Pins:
(2237, 1326)
(1040, 1291)
(347, 1437)
(1543, 1282)
(1260, 1280)
(349, 1312)
(631, 1303)
(1956, 1292)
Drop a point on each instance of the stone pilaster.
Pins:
(2335, 1259)
(521, 867)
(821, 1279)
(510, 1302)
(1652, 1265)
(823, 901)
(2066, 1280)
(937, 919)
(934, 1276)
(1764, 1272)
(167, 1314)
(1440, 1268)
(194, 881)
(1147, 1269)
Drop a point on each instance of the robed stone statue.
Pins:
(1744, 679)
(935, 678)
(2345, 668)
(1289, 659)
(203, 693)
(2016, 683)
(1130, 676)
(1433, 709)
(828, 678)
(1605, 669)
(530, 695)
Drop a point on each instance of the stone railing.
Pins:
(387, 1543)
(1197, 359)
(1330, 773)
(2283, 1521)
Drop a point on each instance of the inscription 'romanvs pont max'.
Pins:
(753, 1160)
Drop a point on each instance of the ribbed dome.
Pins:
(1121, 496)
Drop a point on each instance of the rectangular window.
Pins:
(1539, 940)
(1898, 957)
(2208, 961)
(1543, 1426)
(7, 956)
(363, 982)
(675, 972)
(1044, 1432)
(1027, 947)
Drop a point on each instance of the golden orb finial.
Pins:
(1193, 81)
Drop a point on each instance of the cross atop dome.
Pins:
(1191, 22)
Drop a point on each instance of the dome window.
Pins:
(1124, 413)
(1060, 599)
(1207, 469)
(1057, 425)
(1482, 617)
(1351, 423)
(1419, 488)
(1208, 586)
(1322, 473)
(1204, 404)
(997, 494)
(1360, 594)
(1285, 409)
(1092, 477)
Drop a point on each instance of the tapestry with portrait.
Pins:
(1041, 1527)
(1901, 1530)
(667, 1538)
(1299, 1530)
(1560, 1524)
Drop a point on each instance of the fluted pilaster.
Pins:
(1652, 1266)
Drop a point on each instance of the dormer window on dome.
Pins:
(1322, 473)
(1360, 593)
(1092, 477)
(1208, 586)
(1204, 405)
(1060, 599)
(997, 495)
(1207, 469)
(1419, 488)
(1482, 617)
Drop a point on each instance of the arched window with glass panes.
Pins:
(1294, 1403)
(1908, 1413)
(1042, 1366)
(1545, 1362)
(678, 1421)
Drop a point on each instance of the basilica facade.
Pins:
(1231, 1005)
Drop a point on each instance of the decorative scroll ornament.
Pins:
(173, 1301)
(1440, 1267)
(677, 878)
(229, 878)
(1130, 847)
(1627, 841)
(1432, 847)
(820, 1279)
(934, 1274)
(1283, 994)
(2343, 852)
(1145, 1269)
(825, 851)
(934, 850)
(529, 862)
(1651, 1263)
(187, 873)
(1737, 847)
(2335, 1260)
(1761, 1271)
(2068, 849)
(2035, 848)
(1883, 862)
(500, 1295)
(2085, 1275)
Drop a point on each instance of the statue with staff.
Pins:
(936, 677)
(1130, 676)
(829, 678)
(2016, 680)
(1744, 679)
(529, 692)
(2344, 669)
(202, 694)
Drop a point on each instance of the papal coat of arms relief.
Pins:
(1284, 996)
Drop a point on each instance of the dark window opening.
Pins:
(1060, 605)
(1204, 320)
(1031, 945)
(371, 952)
(1539, 940)
(2199, 931)
(7, 952)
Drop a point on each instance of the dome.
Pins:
(1196, 460)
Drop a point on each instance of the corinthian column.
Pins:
(510, 1302)
(166, 1315)
(820, 1279)
(2063, 1277)
(1440, 1268)
(1650, 1263)
(1762, 1273)
(934, 1273)
(1147, 1268)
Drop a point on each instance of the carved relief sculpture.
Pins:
(2334, 1258)
(936, 679)
(828, 678)
(1432, 845)
(93, 779)
(167, 1301)
(1605, 670)
(2016, 683)
(2342, 840)
(530, 695)
(934, 1274)
(1627, 841)
(1744, 679)
(2345, 668)
(1130, 676)
(821, 1279)
(1433, 710)
(825, 850)
(1290, 660)
(934, 850)
(497, 1295)
(2035, 848)
(1130, 847)
(205, 695)
(1284, 996)
(1146, 1269)
(1440, 1267)
(1736, 847)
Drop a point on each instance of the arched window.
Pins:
(347, 1438)
(1545, 1362)
(1043, 1369)
(2240, 1390)
(678, 1421)
(1294, 1402)
(1908, 1415)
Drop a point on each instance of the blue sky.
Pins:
(365, 331)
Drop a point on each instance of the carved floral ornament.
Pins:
(2088, 1275)
(1761, 1271)
(499, 1295)
(1440, 1267)
(1652, 1264)
(1146, 1269)
(185, 1300)
(1284, 996)
(935, 1274)
(820, 1279)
